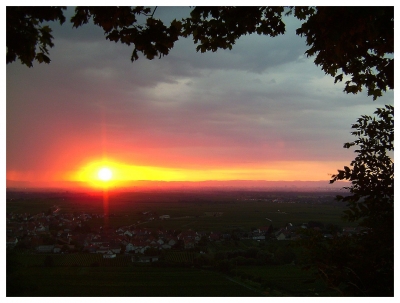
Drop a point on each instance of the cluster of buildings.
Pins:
(54, 232)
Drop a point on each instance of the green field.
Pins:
(185, 257)
(248, 215)
(73, 260)
(288, 280)
(75, 275)
(187, 210)
(136, 281)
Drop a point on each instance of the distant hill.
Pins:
(245, 185)
(17, 184)
(322, 185)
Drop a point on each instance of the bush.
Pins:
(284, 255)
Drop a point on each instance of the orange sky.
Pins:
(123, 173)
(262, 111)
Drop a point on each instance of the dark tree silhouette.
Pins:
(362, 264)
(353, 41)
(25, 33)
(371, 173)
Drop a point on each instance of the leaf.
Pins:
(339, 78)
(40, 57)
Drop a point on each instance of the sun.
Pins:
(104, 174)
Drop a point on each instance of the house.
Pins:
(214, 236)
(280, 236)
(129, 247)
(284, 234)
(188, 243)
(141, 250)
(102, 250)
(259, 234)
(189, 235)
(115, 249)
(144, 259)
(258, 237)
(109, 255)
(140, 246)
(264, 229)
(141, 232)
(42, 228)
(45, 248)
(128, 233)
(172, 242)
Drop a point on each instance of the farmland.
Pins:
(189, 210)
(73, 260)
(129, 281)
(76, 275)
(235, 265)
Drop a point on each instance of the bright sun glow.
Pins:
(111, 174)
(105, 174)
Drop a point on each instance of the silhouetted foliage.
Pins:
(25, 33)
(362, 264)
(213, 28)
(120, 25)
(354, 41)
(351, 41)
(371, 173)
(284, 255)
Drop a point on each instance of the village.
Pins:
(60, 233)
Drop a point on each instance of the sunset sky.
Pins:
(262, 111)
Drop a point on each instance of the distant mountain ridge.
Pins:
(209, 184)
